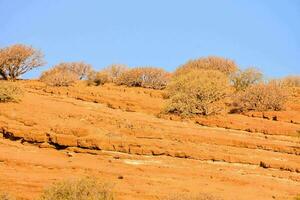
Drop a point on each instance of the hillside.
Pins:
(119, 134)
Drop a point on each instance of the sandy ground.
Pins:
(25, 170)
(117, 135)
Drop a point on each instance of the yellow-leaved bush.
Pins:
(197, 91)
(261, 97)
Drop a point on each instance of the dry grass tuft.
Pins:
(87, 188)
(6, 196)
(10, 92)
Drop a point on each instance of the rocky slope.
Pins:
(113, 131)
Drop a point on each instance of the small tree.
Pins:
(243, 79)
(197, 92)
(80, 68)
(114, 71)
(18, 59)
(223, 65)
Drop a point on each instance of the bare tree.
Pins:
(114, 71)
(18, 59)
(80, 68)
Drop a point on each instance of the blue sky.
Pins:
(163, 33)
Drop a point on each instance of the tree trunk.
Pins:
(3, 75)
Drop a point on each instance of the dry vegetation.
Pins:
(198, 92)
(9, 91)
(114, 72)
(223, 65)
(97, 78)
(87, 188)
(18, 59)
(242, 79)
(6, 196)
(261, 97)
(147, 77)
(66, 74)
(59, 75)
(291, 81)
(199, 87)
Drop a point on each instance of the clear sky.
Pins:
(163, 33)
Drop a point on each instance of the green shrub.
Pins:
(243, 79)
(78, 189)
(147, 77)
(223, 65)
(197, 92)
(10, 92)
(261, 97)
(59, 75)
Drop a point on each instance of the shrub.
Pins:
(223, 65)
(291, 81)
(260, 97)
(78, 189)
(80, 68)
(197, 92)
(18, 59)
(243, 79)
(9, 92)
(6, 196)
(97, 78)
(148, 77)
(59, 75)
(114, 71)
(132, 78)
